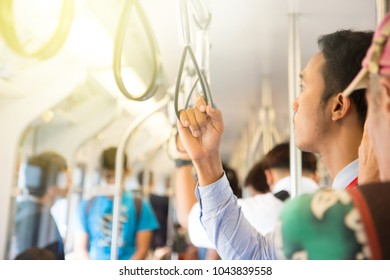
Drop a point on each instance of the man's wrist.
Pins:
(209, 170)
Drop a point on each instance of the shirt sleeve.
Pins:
(226, 226)
(196, 231)
(147, 219)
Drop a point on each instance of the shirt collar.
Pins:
(284, 184)
(346, 175)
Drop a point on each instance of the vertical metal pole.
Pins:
(382, 8)
(201, 13)
(120, 157)
(148, 163)
(294, 68)
(266, 94)
(184, 24)
(267, 134)
(203, 52)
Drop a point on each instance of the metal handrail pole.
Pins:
(119, 170)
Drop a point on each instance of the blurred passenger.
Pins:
(185, 184)
(196, 230)
(160, 205)
(261, 208)
(45, 180)
(137, 220)
(277, 169)
(325, 122)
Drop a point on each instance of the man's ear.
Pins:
(270, 177)
(340, 106)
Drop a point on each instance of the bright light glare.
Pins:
(47, 116)
(90, 41)
(132, 81)
(36, 20)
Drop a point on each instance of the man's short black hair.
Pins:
(344, 51)
(279, 157)
(108, 158)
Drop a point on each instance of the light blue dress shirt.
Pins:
(233, 236)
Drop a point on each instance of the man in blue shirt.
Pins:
(323, 117)
(137, 221)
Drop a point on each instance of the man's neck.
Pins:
(341, 151)
(277, 176)
(280, 182)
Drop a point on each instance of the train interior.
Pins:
(78, 76)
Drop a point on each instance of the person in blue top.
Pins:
(137, 221)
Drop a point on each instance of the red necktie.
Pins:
(353, 184)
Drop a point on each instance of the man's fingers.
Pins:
(184, 120)
(200, 116)
(182, 129)
(215, 116)
(189, 120)
(185, 135)
(194, 126)
(201, 119)
(201, 104)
